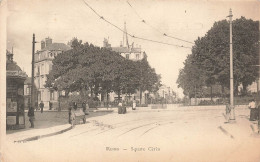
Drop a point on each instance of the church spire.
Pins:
(125, 38)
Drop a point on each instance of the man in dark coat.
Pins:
(31, 116)
(70, 108)
(50, 105)
(41, 106)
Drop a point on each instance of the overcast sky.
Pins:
(64, 19)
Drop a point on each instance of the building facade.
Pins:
(42, 67)
(132, 52)
(27, 93)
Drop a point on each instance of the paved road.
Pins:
(172, 134)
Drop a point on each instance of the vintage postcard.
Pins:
(130, 80)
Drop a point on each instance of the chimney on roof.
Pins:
(42, 44)
(106, 44)
(48, 41)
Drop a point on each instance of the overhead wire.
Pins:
(136, 37)
(164, 34)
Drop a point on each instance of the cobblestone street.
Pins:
(172, 134)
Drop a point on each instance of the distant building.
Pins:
(167, 94)
(132, 52)
(27, 93)
(42, 67)
(253, 87)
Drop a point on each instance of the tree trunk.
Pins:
(195, 95)
(244, 90)
(102, 96)
(223, 92)
(91, 92)
(211, 98)
(140, 96)
(66, 93)
(118, 95)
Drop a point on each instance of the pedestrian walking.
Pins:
(134, 104)
(72, 114)
(253, 112)
(70, 109)
(50, 105)
(85, 108)
(228, 110)
(31, 116)
(41, 106)
(120, 107)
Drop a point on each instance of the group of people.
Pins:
(121, 103)
(41, 106)
(73, 107)
(254, 110)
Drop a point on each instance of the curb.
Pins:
(43, 136)
(101, 110)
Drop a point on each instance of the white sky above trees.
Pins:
(64, 19)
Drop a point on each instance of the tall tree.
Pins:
(211, 54)
(148, 79)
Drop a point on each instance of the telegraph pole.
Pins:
(232, 107)
(258, 83)
(32, 81)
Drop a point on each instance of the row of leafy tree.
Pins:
(209, 63)
(86, 68)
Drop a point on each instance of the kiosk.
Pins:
(15, 77)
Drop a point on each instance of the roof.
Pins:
(125, 49)
(57, 46)
(8, 52)
(12, 66)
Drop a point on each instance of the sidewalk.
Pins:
(242, 129)
(46, 124)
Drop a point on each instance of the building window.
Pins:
(42, 81)
(50, 67)
(38, 70)
(42, 92)
(51, 95)
(137, 56)
(28, 89)
(42, 69)
(127, 56)
(39, 82)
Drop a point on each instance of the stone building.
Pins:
(27, 93)
(130, 52)
(42, 67)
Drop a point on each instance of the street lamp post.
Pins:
(232, 107)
